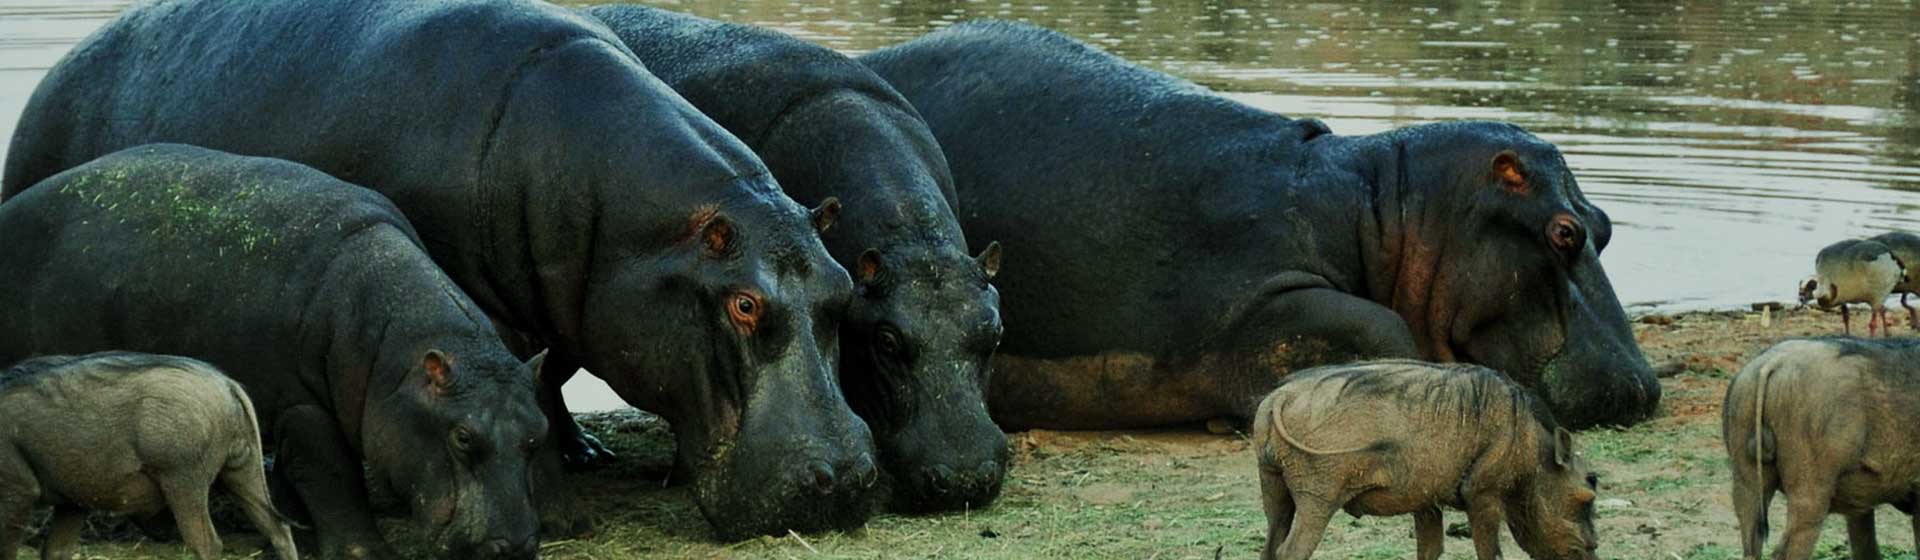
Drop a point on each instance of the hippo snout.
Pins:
(950, 486)
(825, 479)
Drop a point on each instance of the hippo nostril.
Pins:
(822, 477)
(990, 472)
(940, 479)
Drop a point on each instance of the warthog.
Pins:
(128, 433)
(1400, 437)
(1832, 423)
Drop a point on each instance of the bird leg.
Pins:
(1913, 317)
(1846, 320)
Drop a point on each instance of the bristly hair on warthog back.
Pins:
(32, 371)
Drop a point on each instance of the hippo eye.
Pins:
(1565, 234)
(745, 310)
(462, 439)
(888, 343)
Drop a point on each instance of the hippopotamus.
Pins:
(920, 335)
(317, 297)
(577, 199)
(1180, 252)
(166, 429)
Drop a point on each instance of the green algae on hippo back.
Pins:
(1155, 219)
(367, 364)
(571, 194)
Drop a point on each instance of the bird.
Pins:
(1854, 271)
(1906, 249)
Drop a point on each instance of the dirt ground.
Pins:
(1179, 494)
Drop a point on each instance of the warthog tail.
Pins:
(1280, 425)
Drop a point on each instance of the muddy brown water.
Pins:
(1729, 142)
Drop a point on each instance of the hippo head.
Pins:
(733, 335)
(923, 331)
(1491, 254)
(455, 442)
(1552, 513)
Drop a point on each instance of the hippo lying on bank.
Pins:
(314, 294)
(1180, 252)
(919, 337)
(161, 429)
(574, 196)
(1397, 437)
(1832, 423)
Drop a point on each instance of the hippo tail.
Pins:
(1280, 427)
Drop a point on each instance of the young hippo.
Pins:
(1834, 428)
(366, 364)
(1397, 437)
(128, 433)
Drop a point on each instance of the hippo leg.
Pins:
(579, 450)
(1226, 377)
(1429, 533)
(328, 477)
(1860, 536)
(63, 533)
(18, 493)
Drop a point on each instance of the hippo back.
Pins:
(1099, 166)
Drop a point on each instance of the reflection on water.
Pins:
(1728, 142)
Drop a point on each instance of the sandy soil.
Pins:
(1188, 494)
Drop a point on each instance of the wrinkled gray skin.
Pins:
(1400, 437)
(128, 433)
(1838, 433)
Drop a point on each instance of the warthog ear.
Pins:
(868, 268)
(1507, 170)
(989, 259)
(1562, 447)
(439, 368)
(825, 214)
(537, 364)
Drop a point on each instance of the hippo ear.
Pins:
(1507, 170)
(537, 364)
(867, 269)
(1562, 447)
(826, 214)
(717, 236)
(439, 368)
(989, 259)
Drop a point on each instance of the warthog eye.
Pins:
(1593, 481)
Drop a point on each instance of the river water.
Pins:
(1729, 142)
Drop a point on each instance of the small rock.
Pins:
(1670, 369)
(1612, 503)
(1460, 530)
(1656, 319)
(1767, 306)
(989, 534)
(1221, 427)
(1153, 524)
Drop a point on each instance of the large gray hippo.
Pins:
(574, 196)
(1180, 252)
(921, 333)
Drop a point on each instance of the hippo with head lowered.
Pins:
(1181, 252)
(919, 337)
(575, 197)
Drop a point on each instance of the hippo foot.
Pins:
(584, 452)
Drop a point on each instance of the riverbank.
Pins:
(1174, 494)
